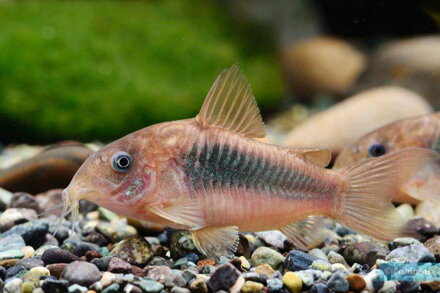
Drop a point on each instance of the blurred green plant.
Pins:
(91, 70)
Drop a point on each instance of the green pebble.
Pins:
(150, 286)
(11, 254)
(27, 287)
(265, 255)
(107, 215)
(113, 288)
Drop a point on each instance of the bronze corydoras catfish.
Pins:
(210, 176)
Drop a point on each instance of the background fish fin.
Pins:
(230, 105)
(305, 233)
(184, 213)
(424, 189)
(215, 242)
(320, 157)
(366, 204)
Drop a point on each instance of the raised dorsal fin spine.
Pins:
(225, 101)
(230, 105)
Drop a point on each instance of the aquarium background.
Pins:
(97, 70)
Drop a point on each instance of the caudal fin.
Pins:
(366, 204)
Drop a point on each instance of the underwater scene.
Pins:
(253, 146)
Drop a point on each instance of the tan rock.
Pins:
(348, 120)
(411, 63)
(322, 65)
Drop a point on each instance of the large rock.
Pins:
(412, 63)
(322, 65)
(347, 121)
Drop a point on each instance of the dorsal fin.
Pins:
(230, 105)
(320, 157)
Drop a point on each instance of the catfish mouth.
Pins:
(71, 203)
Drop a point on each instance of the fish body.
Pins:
(422, 132)
(211, 176)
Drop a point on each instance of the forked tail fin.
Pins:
(366, 205)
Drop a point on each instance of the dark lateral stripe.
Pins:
(225, 166)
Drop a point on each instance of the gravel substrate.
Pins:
(108, 255)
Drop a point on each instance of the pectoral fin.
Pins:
(305, 233)
(215, 242)
(183, 213)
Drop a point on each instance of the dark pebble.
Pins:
(137, 271)
(428, 257)
(223, 278)
(180, 263)
(244, 248)
(56, 269)
(164, 237)
(342, 231)
(81, 273)
(2, 273)
(319, 288)
(297, 260)
(58, 255)
(82, 247)
(422, 227)
(29, 263)
(159, 261)
(96, 238)
(365, 252)
(62, 232)
(159, 250)
(55, 286)
(188, 276)
(338, 283)
(12, 271)
(24, 200)
(102, 263)
(91, 254)
(86, 206)
(33, 233)
(408, 287)
(192, 257)
(113, 288)
(208, 270)
(51, 240)
(118, 266)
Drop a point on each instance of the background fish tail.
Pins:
(366, 204)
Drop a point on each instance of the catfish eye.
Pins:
(121, 162)
(377, 150)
